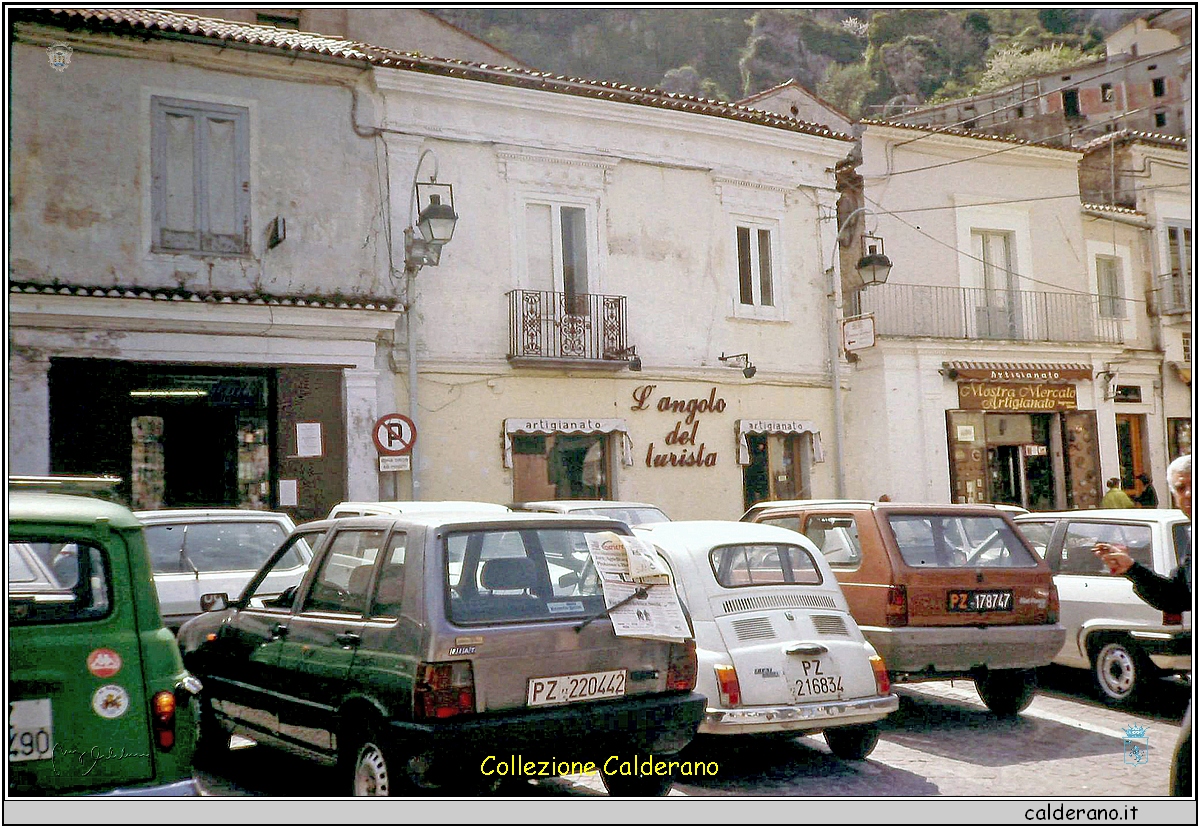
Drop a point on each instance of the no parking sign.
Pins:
(394, 434)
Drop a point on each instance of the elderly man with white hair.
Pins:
(1170, 594)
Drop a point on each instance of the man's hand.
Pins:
(1115, 557)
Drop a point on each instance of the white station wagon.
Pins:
(777, 647)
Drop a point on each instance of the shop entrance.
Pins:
(1131, 449)
(200, 436)
(1037, 461)
(779, 468)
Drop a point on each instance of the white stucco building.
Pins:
(1005, 368)
(207, 275)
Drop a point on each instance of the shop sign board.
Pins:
(858, 332)
(1025, 396)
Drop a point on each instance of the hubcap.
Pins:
(370, 772)
(1116, 670)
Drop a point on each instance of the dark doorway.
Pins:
(756, 484)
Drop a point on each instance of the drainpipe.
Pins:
(835, 365)
(410, 286)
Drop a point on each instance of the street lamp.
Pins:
(433, 204)
(872, 268)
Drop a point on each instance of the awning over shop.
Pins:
(562, 425)
(1018, 371)
(745, 427)
(1183, 370)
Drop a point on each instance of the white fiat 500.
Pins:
(778, 650)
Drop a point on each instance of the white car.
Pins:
(1110, 630)
(633, 514)
(198, 551)
(778, 650)
(391, 508)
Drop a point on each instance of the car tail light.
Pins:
(727, 685)
(1172, 619)
(162, 714)
(444, 689)
(896, 614)
(883, 684)
(681, 670)
(1052, 607)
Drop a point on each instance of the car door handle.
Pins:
(809, 649)
(278, 631)
(348, 639)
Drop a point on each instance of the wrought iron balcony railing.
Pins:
(977, 313)
(546, 325)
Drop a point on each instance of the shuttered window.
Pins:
(201, 177)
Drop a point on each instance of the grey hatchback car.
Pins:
(451, 651)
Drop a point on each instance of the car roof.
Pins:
(572, 505)
(775, 504)
(1145, 515)
(51, 507)
(202, 515)
(702, 535)
(885, 507)
(463, 520)
(420, 506)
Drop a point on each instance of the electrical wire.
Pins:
(1015, 146)
(936, 240)
(1025, 200)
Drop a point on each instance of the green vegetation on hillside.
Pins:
(863, 61)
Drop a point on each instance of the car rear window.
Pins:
(1037, 533)
(53, 581)
(958, 541)
(763, 564)
(1078, 557)
(535, 574)
(215, 546)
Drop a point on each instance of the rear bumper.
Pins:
(941, 651)
(1168, 650)
(660, 724)
(809, 717)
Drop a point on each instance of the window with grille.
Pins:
(201, 177)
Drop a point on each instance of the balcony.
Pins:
(977, 313)
(582, 330)
(1175, 295)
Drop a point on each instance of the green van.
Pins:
(98, 699)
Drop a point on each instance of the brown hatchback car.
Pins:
(940, 591)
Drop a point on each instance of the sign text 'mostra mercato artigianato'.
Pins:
(1024, 396)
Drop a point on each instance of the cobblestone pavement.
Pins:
(941, 742)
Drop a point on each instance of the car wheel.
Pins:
(852, 742)
(1006, 692)
(212, 740)
(368, 764)
(1120, 669)
(633, 785)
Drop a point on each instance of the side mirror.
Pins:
(214, 601)
(569, 579)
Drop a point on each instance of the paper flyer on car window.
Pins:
(627, 564)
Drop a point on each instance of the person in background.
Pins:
(1116, 497)
(883, 498)
(1147, 498)
(1170, 594)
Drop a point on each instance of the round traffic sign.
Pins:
(394, 434)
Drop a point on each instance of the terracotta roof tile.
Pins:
(967, 133)
(1097, 207)
(369, 303)
(1129, 136)
(164, 23)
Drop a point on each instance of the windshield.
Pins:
(632, 515)
(215, 546)
(520, 575)
(958, 541)
(762, 564)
